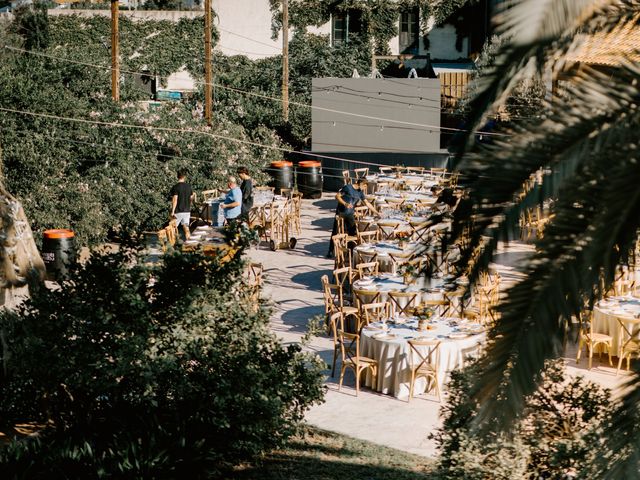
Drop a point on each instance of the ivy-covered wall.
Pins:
(379, 17)
(97, 178)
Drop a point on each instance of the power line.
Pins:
(245, 92)
(249, 38)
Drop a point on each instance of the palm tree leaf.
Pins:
(596, 211)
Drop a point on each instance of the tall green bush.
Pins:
(553, 439)
(139, 371)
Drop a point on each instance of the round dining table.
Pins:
(380, 286)
(384, 250)
(390, 348)
(607, 312)
(408, 181)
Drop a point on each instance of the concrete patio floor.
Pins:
(292, 282)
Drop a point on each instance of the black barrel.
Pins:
(281, 175)
(310, 179)
(58, 251)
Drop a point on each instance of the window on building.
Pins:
(409, 31)
(345, 25)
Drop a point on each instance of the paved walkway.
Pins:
(293, 284)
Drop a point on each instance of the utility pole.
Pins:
(285, 60)
(115, 52)
(208, 94)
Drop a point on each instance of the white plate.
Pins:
(457, 335)
(384, 336)
(425, 338)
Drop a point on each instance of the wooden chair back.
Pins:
(369, 236)
(424, 362)
(364, 297)
(209, 194)
(360, 173)
(403, 303)
(374, 312)
(367, 269)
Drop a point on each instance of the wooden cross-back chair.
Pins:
(367, 269)
(336, 324)
(343, 278)
(403, 303)
(395, 203)
(333, 302)
(363, 297)
(592, 340)
(295, 207)
(265, 188)
(425, 365)
(368, 236)
(365, 257)
(254, 273)
(385, 170)
(361, 211)
(346, 176)
(360, 173)
(441, 306)
(209, 194)
(351, 358)
(399, 259)
(438, 172)
(374, 312)
(629, 328)
(341, 250)
(387, 229)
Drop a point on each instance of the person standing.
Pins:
(246, 187)
(181, 197)
(232, 204)
(348, 198)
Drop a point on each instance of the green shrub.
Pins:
(148, 372)
(562, 421)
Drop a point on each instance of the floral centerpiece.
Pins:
(409, 271)
(408, 209)
(424, 315)
(402, 236)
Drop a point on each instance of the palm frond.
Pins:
(596, 219)
(539, 34)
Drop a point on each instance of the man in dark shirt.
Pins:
(348, 198)
(247, 193)
(181, 198)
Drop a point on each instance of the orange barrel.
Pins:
(281, 173)
(309, 177)
(58, 251)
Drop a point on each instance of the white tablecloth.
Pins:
(393, 355)
(607, 312)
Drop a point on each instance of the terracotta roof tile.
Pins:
(608, 48)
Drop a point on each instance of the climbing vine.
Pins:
(380, 17)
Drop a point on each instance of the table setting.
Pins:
(387, 342)
(205, 237)
(385, 249)
(380, 286)
(607, 312)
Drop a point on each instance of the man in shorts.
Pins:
(181, 198)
